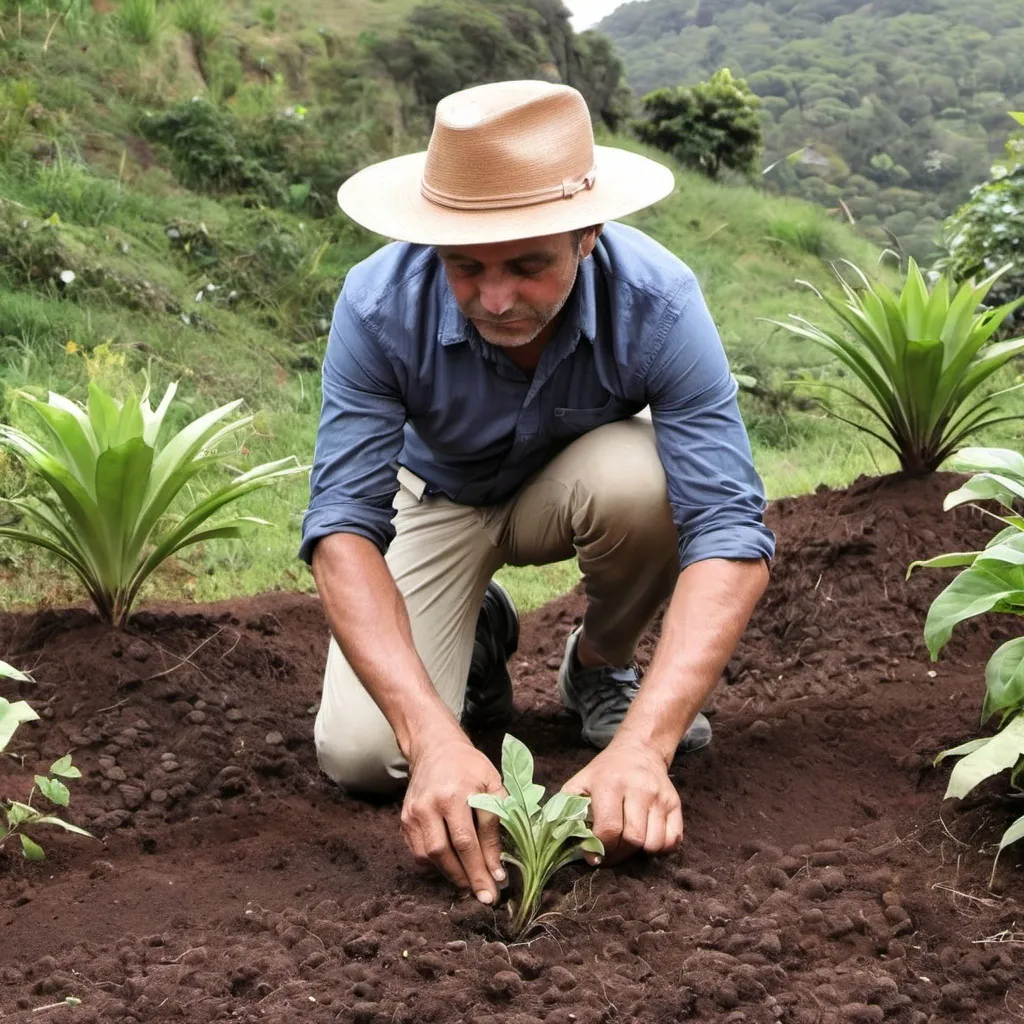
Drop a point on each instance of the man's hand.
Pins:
(441, 829)
(634, 803)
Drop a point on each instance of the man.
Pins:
(481, 385)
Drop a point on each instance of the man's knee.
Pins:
(370, 765)
(621, 481)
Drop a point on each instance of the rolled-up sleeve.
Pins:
(716, 495)
(353, 481)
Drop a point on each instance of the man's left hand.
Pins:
(634, 804)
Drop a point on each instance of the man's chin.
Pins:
(507, 337)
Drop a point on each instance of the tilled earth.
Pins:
(822, 879)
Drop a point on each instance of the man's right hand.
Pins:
(440, 827)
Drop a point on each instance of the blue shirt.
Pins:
(407, 380)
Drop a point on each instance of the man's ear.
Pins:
(589, 240)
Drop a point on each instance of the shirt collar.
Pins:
(454, 328)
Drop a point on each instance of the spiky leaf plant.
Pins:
(112, 484)
(922, 359)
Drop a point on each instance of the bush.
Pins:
(708, 126)
(210, 152)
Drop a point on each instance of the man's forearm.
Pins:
(709, 610)
(368, 618)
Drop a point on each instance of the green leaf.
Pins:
(54, 790)
(593, 845)
(17, 813)
(980, 488)
(989, 460)
(50, 819)
(964, 748)
(64, 768)
(517, 772)
(1000, 753)
(31, 850)
(11, 716)
(953, 560)
(1007, 552)
(490, 803)
(1014, 834)
(566, 806)
(9, 672)
(1004, 679)
(975, 591)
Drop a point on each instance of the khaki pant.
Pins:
(603, 498)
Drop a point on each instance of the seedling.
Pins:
(21, 816)
(542, 838)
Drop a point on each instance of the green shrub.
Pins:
(922, 360)
(707, 127)
(114, 482)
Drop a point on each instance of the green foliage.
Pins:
(909, 94)
(113, 484)
(201, 21)
(707, 126)
(447, 45)
(543, 838)
(990, 580)
(988, 230)
(922, 358)
(20, 816)
(140, 21)
(211, 151)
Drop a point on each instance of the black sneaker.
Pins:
(489, 688)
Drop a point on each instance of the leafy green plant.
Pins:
(20, 816)
(922, 357)
(706, 126)
(990, 580)
(542, 838)
(113, 483)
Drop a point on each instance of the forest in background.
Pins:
(896, 107)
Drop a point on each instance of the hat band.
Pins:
(566, 190)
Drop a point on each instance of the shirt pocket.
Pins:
(575, 422)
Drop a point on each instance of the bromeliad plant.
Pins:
(922, 359)
(990, 580)
(20, 816)
(113, 483)
(542, 838)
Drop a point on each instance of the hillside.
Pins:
(894, 106)
(205, 247)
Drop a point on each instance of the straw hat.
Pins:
(506, 161)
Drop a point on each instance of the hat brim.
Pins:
(386, 199)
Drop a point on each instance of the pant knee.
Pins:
(359, 767)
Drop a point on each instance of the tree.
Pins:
(707, 126)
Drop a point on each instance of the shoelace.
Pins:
(609, 694)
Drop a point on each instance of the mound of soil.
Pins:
(818, 882)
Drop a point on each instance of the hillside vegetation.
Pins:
(166, 207)
(895, 107)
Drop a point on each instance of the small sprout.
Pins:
(23, 815)
(543, 838)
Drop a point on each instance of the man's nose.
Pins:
(497, 296)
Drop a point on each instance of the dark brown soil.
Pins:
(817, 884)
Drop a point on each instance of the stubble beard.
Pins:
(490, 331)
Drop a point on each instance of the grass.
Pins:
(102, 205)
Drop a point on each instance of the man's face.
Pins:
(511, 291)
